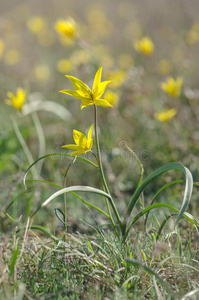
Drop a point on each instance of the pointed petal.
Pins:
(78, 152)
(97, 80)
(86, 103)
(90, 133)
(72, 147)
(79, 85)
(101, 89)
(72, 93)
(102, 102)
(79, 138)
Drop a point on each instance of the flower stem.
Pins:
(102, 174)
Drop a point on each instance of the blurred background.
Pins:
(35, 54)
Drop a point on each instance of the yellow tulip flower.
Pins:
(144, 45)
(17, 100)
(172, 87)
(83, 143)
(166, 115)
(66, 27)
(85, 94)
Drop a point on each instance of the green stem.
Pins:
(65, 207)
(102, 174)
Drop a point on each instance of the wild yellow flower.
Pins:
(83, 143)
(166, 115)
(172, 86)
(111, 97)
(144, 45)
(17, 100)
(66, 27)
(85, 94)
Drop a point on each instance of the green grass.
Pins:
(99, 266)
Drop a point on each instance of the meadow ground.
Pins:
(118, 218)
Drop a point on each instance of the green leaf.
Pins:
(158, 172)
(42, 229)
(187, 216)
(53, 154)
(73, 189)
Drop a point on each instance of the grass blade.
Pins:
(138, 264)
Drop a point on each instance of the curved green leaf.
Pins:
(187, 216)
(73, 189)
(158, 172)
(53, 154)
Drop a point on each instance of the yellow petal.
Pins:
(79, 138)
(71, 146)
(78, 152)
(97, 80)
(86, 103)
(102, 102)
(72, 93)
(90, 133)
(79, 85)
(101, 89)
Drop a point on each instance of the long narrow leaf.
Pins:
(161, 190)
(53, 154)
(73, 189)
(158, 172)
(187, 216)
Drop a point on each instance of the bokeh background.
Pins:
(34, 56)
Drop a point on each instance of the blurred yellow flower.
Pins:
(85, 94)
(42, 72)
(117, 78)
(17, 100)
(36, 24)
(144, 45)
(83, 143)
(1, 48)
(164, 67)
(66, 27)
(172, 86)
(64, 65)
(166, 115)
(111, 97)
(12, 57)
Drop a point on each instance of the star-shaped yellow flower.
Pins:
(85, 94)
(172, 87)
(17, 101)
(166, 115)
(83, 143)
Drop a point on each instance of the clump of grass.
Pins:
(98, 267)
